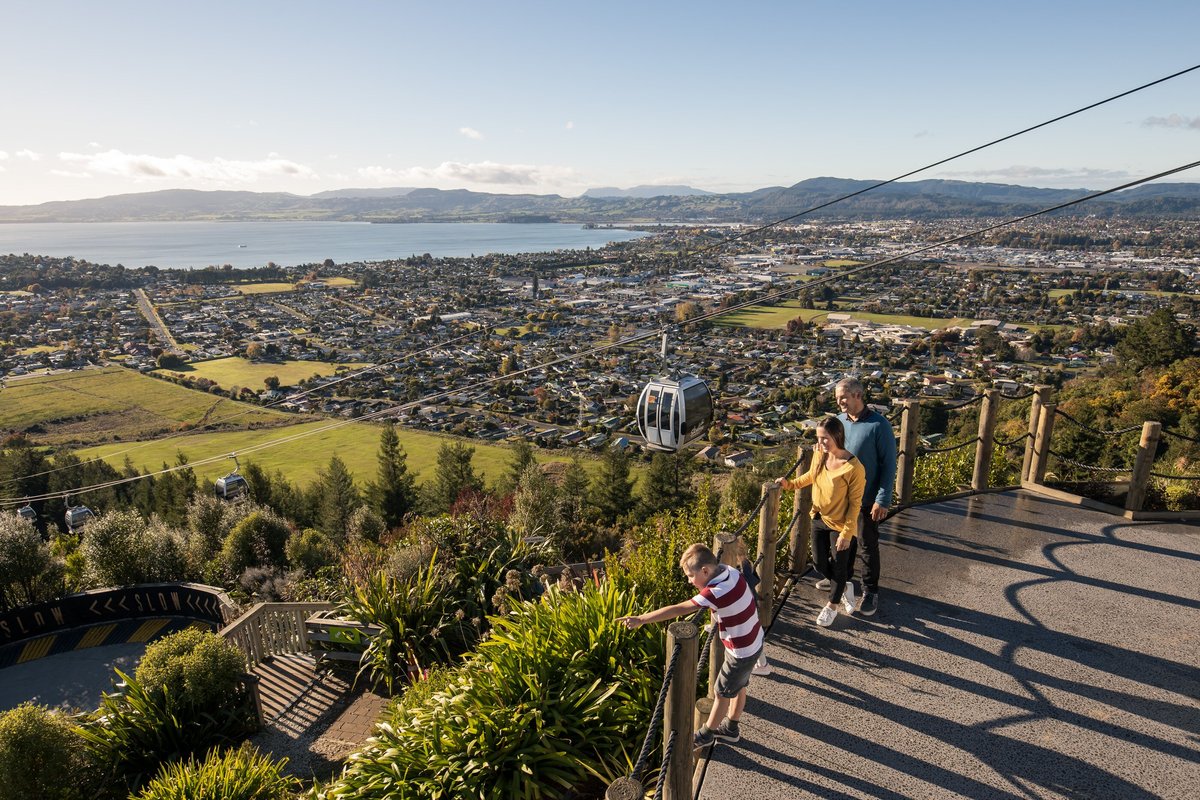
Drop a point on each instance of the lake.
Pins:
(191, 245)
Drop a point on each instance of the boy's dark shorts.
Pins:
(735, 674)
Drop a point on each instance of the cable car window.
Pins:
(668, 399)
(698, 402)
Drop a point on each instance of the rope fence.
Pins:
(1175, 477)
(1099, 432)
(656, 718)
(1011, 442)
(1178, 435)
(967, 443)
(1089, 467)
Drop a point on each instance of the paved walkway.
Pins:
(1023, 648)
(314, 718)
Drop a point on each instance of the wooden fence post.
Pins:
(1142, 465)
(768, 529)
(1041, 444)
(1041, 396)
(680, 710)
(985, 445)
(910, 422)
(800, 544)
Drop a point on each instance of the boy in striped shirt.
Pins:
(725, 593)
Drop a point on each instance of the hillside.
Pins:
(928, 199)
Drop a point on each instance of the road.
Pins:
(156, 323)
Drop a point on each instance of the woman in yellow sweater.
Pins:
(838, 480)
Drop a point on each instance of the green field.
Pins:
(113, 403)
(262, 288)
(778, 316)
(310, 447)
(235, 371)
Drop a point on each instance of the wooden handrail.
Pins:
(270, 629)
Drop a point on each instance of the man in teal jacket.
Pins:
(870, 437)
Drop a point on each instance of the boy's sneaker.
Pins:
(827, 616)
(869, 603)
(761, 667)
(824, 584)
(728, 730)
(704, 737)
(848, 598)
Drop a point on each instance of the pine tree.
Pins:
(394, 492)
(452, 476)
(522, 457)
(666, 485)
(611, 492)
(337, 497)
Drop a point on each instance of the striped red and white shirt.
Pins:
(729, 597)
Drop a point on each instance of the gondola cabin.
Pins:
(77, 517)
(231, 488)
(672, 412)
(28, 514)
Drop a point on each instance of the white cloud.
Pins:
(29, 154)
(3, 155)
(219, 171)
(1056, 177)
(63, 173)
(95, 145)
(1173, 121)
(471, 133)
(570, 125)
(454, 173)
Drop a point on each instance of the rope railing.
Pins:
(1089, 467)
(1011, 442)
(932, 450)
(643, 760)
(706, 631)
(1178, 435)
(1024, 396)
(1098, 431)
(1175, 477)
(668, 752)
(976, 399)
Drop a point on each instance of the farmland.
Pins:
(235, 371)
(115, 404)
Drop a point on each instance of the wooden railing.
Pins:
(270, 629)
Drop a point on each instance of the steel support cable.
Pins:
(703, 318)
(249, 409)
(1097, 431)
(939, 163)
(656, 718)
(1178, 435)
(1089, 467)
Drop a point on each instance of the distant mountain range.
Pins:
(930, 199)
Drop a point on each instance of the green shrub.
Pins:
(122, 549)
(239, 774)
(311, 550)
(258, 540)
(185, 699)
(29, 572)
(199, 670)
(40, 755)
(551, 701)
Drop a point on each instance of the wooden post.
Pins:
(910, 426)
(985, 445)
(625, 789)
(1142, 465)
(768, 528)
(725, 545)
(1041, 396)
(680, 709)
(800, 544)
(1041, 444)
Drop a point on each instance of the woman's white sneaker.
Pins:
(848, 598)
(827, 616)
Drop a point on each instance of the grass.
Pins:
(90, 406)
(778, 316)
(263, 288)
(834, 263)
(236, 371)
(357, 444)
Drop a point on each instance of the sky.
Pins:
(557, 97)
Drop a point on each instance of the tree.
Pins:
(121, 549)
(28, 572)
(666, 485)
(255, 351)
(1156, 341)
(259, 540)
(271, 382)
(337, 498)
(393, 493)
(453, 475)
(171, 361)
(522, 457)
(611, 492)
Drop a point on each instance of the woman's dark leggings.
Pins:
(832, 563)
